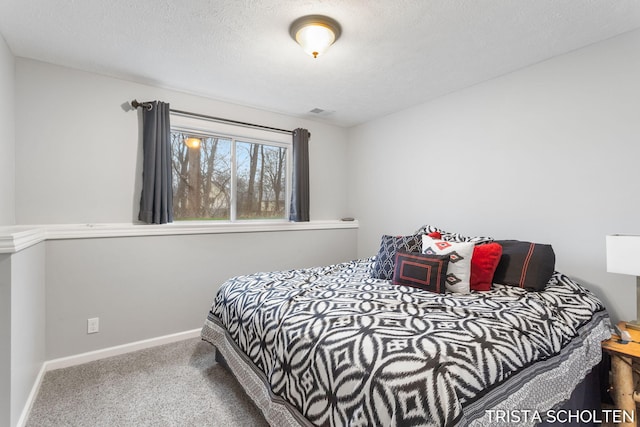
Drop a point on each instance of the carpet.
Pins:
(177, 384)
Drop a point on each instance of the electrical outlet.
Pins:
(93, 325)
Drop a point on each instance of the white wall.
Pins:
(78, 151)
(547, 154)
(5, 339)
(7, 217)
(7, 135)
(27, 324)
(22, 328)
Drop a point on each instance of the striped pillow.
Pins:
(525, 264)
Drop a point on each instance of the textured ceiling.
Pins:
(391, 55)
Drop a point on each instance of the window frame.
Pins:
(238, 133)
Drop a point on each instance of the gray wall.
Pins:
(547, 154)
(78, 151)
(7, 135)
(144, 287)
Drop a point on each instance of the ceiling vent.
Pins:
(321, 112)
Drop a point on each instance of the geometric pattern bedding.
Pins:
(345, 349)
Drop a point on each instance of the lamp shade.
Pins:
(623, 254)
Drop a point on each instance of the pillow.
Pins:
(459, 268)
(484, 261)
(421, 271)
(389, 245)
(452, 237)
(525, 264)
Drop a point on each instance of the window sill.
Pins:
(19, 237)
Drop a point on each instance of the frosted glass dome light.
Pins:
(315, 33)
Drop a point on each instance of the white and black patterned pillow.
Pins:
(459, 268)
(453, 237)
(389, 245)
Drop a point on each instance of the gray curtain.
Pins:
(156, 201)
(300, 192)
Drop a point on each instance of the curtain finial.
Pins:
(147, 105)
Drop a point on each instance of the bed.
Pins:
(338, 345)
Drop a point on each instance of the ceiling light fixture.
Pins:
(315, 33)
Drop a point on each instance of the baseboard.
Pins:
(32, 397)
(78, 359)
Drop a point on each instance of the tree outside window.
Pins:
(224, 178)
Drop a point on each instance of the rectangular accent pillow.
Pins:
(483, 265)
(525, 264)
(427, 272)
(460, 254)
(389, 245)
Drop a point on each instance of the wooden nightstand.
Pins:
(623, 357)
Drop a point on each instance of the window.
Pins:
(225, 172)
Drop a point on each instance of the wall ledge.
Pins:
(16, 238)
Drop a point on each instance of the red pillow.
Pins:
(484, 262)
(435, 235)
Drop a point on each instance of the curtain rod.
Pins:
(148, 106)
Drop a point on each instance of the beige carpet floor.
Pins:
(177, 384)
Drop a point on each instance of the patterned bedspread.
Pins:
(346, 349)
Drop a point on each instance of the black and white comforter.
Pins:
(346, 349)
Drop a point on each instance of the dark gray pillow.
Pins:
(389, 245)
(525, 264)
(426, 272)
